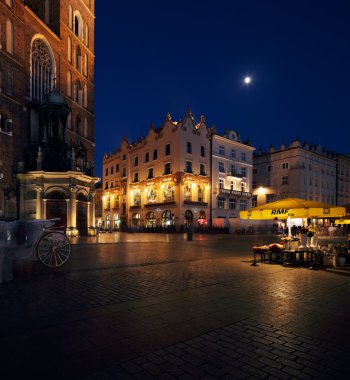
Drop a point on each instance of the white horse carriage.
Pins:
(39, 239)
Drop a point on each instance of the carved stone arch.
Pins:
(56, 192)
(41, 52)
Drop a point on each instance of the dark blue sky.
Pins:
(154, 57)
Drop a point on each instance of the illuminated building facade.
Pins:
(47, 111)
(298, 171)
(160, 182)
(232, 170)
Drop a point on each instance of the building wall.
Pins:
(343, 179)
(299, 171)
(231, 189)
(176, 192)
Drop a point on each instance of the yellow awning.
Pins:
(294, 208)
(342, 221)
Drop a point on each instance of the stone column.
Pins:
(39, 190)
(43, 214)
(73, 212)
(91, 214)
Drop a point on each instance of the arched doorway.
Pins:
(56, 206)
(116, 221)
(82, 210)
(136, 219)
(188, 218)
(167, 219)
(150, 220)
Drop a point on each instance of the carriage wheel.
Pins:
(53, 249)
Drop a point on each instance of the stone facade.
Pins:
(232, 169)
(161, 181)
(47, 57)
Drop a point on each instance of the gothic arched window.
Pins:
(42, 70)
(78, 58)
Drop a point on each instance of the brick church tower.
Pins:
(47, 111)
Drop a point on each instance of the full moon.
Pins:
(247, 80)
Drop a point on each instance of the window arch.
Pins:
(85, 96)
(9, 87)
(42, 69)
(78, 25)
(9, 36)
(86, 65)
(78, 58)
(69, 49)
(69, 83)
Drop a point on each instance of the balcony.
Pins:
(233, 192)
(195, 203)
(234, 174)
(159, 204)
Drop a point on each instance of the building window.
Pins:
(202, 169)
(70, 17)
(147, 157)
(9, 36)
(285, 165)
(233, 170)
(117, 168)
(269, 168)
(150, 220)
(124, 157)
(285, 180)
(254, 186)
(78, 94)
(233, 153)
(221, 202)
(137, 197)
(254, 201)
(221, 183)
(188, 192)
(189, 147)
(167, 219)
(243, 156)
(221, 167)
(42, 70)
(85, 96)
(78, 58)
(112, 169)
(168, 193)
(222, 150)
(69, 49)
(9, 88)
(200, 194)
(232, 202)
(188, 167)
(243, 187)
(85, 130)
(87, 35)
(86, 65)
(167, 168)
(69, 83)
(243, 204)
(78, 25)
(202, 151)
(106, 172)
(155, 154)
(136, 161)
(152, 196)
(150, 173)
(167, 149)
(78, 125)
(243, 172)
(124, 172)
(232, 185)
(255, 171)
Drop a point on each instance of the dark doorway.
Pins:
(82, 209)
(56, 207)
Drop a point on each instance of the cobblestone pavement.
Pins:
(162, 307)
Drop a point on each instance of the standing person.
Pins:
(294, 230)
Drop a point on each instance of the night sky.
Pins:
(154, 57)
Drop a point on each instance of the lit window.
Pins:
(221, 202)
(221, 183)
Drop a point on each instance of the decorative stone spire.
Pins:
(168, 116)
